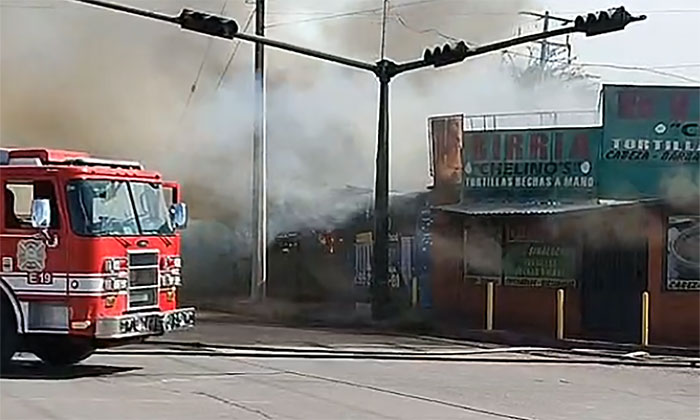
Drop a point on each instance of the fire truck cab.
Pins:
(89, 254)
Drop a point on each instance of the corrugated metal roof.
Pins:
(506, 209)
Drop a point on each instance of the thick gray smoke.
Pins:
(79, 77)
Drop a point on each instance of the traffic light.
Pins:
(606, 21)
(208, 24)
(447, 54)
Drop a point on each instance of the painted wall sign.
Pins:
(651, 141)
(533, 264)
(546, 163)
(683, 253)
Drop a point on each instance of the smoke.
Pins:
(483, 250)
(680, 188)
(78, 77)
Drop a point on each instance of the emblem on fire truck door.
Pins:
(31, 255)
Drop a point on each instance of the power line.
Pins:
(615, 66)
(676, 66)
(193, 88)
(351, 13)
(403, 23)
(359, 13)
(642, 68)
(235, 50)
(332, 14)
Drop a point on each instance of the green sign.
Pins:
(534, 264)
(651, 141)
(537, 163)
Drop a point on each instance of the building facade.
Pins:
(604, 212)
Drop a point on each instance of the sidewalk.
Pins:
(345, 316)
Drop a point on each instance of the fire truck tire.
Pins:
(62, 351)
(9, 340)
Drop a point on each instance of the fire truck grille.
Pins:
(143, 280)
(143, 277)
(143, 259)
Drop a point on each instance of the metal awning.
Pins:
(514, 209)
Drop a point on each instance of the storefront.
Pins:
(583, 209)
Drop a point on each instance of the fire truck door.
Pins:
(34, 262)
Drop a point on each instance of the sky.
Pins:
(669, 37)
(663, 41)
(666, 38)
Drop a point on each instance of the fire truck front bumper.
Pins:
(144, 324)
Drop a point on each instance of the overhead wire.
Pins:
(193, 87)
(614, 66)
(351, 13)
(403, 23)
(249, 20)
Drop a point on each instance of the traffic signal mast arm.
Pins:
(593, 24)
(222, 27)
(132, 10)
(442, 56)
(358, 64)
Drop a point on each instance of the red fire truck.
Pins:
(90, 254)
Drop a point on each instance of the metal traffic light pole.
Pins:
(258, 269)
(385, 70)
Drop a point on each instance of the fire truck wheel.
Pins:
(9, 339)
(62, 351)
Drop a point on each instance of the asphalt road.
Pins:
(262, 372)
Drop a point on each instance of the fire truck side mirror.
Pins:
(178, 213)
(41, 214)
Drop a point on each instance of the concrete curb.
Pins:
(343, 318)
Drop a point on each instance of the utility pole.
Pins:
(384, 70)
(545, 44)
(258, 272)
(544, 50)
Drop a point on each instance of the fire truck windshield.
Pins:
(117, 208)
